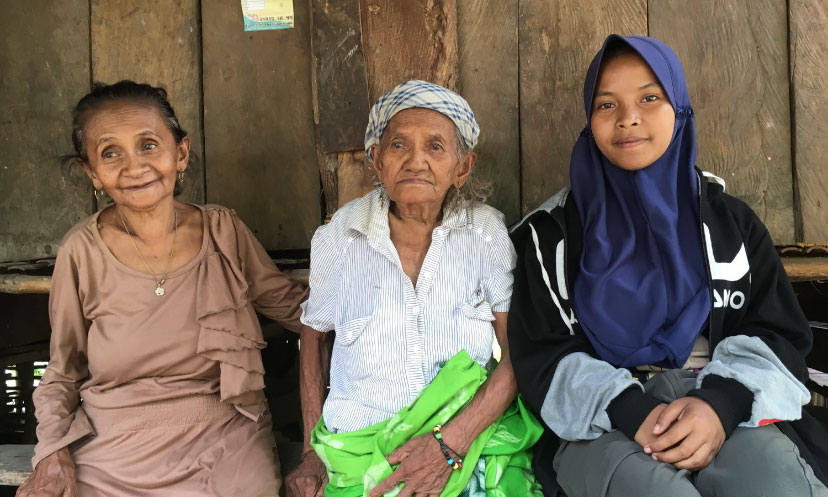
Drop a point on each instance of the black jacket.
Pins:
(760, 303)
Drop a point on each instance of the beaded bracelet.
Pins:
(455, 461)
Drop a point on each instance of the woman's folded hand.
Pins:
(690, 434)
(422, 467)
(54, 476)
(308, 479)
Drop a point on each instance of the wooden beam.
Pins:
(806, 268)
(19, 283)
(798, 269)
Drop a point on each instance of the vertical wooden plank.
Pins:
(415, 39)
(735, 58)
(341, 88)
(355, 176)
(340, 97)
(558, 39)
(44, 63)
(402, 41)
(258, 124)
(809, 76)
(488, 78)
(155, 42)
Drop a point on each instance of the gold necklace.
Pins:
(159, 290)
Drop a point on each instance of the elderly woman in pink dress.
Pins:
(154, 385)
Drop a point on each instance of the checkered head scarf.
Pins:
(424, 95)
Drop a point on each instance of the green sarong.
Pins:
(356, 460)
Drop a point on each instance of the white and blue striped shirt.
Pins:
(392, 337)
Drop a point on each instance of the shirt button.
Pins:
(415, 309)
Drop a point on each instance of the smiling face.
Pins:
(632, 118)
(417, 159)
(132, 155)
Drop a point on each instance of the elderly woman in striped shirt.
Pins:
(415, 280)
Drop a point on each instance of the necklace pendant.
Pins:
(159, 290)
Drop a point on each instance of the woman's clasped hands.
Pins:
(686, 433)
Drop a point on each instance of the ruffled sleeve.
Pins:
(235, 275)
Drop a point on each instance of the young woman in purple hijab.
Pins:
(652, 325)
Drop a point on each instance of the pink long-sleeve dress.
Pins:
(164, 395)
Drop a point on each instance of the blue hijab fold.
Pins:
(642, 293)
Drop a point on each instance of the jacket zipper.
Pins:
(713, 341)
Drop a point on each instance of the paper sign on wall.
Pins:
(267, 14)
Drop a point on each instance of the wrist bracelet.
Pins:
(453, 458)
(305, 453)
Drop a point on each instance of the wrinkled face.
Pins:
(417, 159)
(132, 154)
(632, 118)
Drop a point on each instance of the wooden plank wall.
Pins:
(809, 77)
(258, 124)
(737, 77)
(158, 42)
(488, 78)
(558, 39)
(44, 70)
(269, 147)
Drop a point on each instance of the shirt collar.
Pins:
(373, 219)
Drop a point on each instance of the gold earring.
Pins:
(99, 194)
(181, 176)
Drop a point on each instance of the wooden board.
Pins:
(355, 176)
(558, 39)
(258, 124)
(44, 71)
(488, 78)
(402, 41)
(806, 268)
(15, 464)
(155, 42)
(341, 85)
(809, 75)
(414, 39)
(735, 59)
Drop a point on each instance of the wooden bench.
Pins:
(798, 269)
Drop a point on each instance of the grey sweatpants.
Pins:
(753, 462)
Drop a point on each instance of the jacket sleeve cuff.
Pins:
(731, 400)
(630, 409)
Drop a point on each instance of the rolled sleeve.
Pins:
(502, 259)
(319, 311)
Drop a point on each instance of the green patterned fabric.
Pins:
(498, 464)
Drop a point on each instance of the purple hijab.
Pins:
(642, 293)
